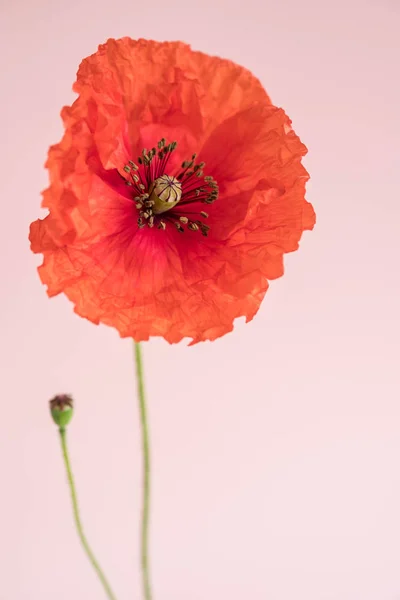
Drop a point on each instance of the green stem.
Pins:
(77, 518)
(146, 475)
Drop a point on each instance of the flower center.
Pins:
(162, 198)
(166, 191)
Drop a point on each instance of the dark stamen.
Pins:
(186, 189)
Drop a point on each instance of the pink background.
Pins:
(276, 450)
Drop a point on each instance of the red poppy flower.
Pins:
(174, 193)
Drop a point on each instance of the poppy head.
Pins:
(174, 193)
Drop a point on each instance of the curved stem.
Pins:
(146, 475)
(77, 518)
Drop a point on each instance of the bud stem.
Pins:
(146, 475)
(77, 518)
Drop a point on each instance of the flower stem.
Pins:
(77, 518)
(146, 475)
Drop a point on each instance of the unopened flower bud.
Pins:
(61, 408)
